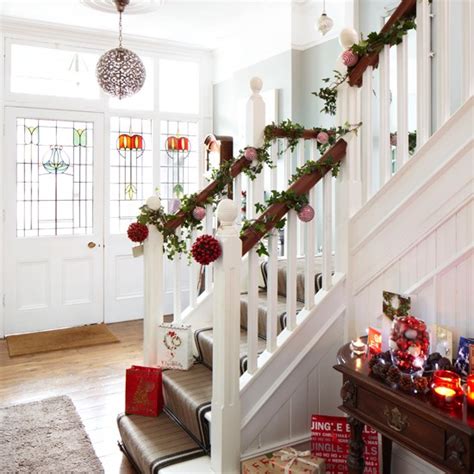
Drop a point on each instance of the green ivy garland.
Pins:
(373, 44)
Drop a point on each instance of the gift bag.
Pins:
(175, 346)
(143, 391)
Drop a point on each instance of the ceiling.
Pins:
(207, 24)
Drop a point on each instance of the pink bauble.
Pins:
(393, 139)
(199, 213)
(250, 154)
(349, 58)
(306, 213)
(322, 137)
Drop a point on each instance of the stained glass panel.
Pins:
(54, 177)
(179, 165)
(131, 169)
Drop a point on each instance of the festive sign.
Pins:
(374, 340)
(175, 346)
(330, 437)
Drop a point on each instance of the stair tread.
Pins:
(262, 312)
(205, 340)
(151, 442)
(187, 395)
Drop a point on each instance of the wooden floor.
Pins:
(94, 378)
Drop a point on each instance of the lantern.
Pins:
(446, 390)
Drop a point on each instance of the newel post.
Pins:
(153, 287)
(254, 127)
(225, 424)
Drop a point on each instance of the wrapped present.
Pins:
(143, 391)
(461, 364)
(286, 461)
(175, 346)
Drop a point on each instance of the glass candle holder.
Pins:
(358, 347)
(470, 390)
(446, 390)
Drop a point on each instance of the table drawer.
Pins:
(401, 424)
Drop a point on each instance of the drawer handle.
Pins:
(395, 419)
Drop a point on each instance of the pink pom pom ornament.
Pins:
(199, 213)
(306, 213)
(322, 137)
(349, 58)
(250, 154)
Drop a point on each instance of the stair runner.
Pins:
(182, 432)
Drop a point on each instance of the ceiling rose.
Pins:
(135, 6)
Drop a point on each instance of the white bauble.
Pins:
(348, 37)
(153, 202)
(411, 334)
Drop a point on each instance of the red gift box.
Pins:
(143, 391)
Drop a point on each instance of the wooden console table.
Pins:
(442, 439)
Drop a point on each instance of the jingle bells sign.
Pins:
(175, 346)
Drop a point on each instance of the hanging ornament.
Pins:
(322, 137)
(206, 249)
(349, 58)
(131, 148)
(137, 232)
(199, 213)
(306, 213)
(119, 71)
(324, 23)
(250, 154)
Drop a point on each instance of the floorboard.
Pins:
(94, 378)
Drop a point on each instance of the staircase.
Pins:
(266, 331)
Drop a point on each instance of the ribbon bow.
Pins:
(293, 455)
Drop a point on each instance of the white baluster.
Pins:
(237, 191)
(209, 226)
(177, 285)
(467, 52)
(153, 288)
(193, 276)
(291, 247)
(443, 69)
(366, 133)
(288, 169)
(272, 291)
(327, 231)
(252, 311)
(402, 103)
(274, 170)
(225, 426)
(299, 162)
(423, 73)
(384, 98)
(310, 232)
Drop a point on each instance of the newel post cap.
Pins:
(256, 85)
(153, 202)
(227, 212)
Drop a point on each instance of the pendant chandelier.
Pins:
(325, 23)
(120, 72)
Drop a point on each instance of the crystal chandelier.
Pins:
(325, 23)
(120, 72)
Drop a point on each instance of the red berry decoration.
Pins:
(137, 232)
(206, 249)
(349, 58)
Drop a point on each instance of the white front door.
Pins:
(53, 219)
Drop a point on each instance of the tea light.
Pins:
(358, 347)
(446, 389)
(470, 390)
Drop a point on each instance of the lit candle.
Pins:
(446, 389)
(358, 347)
(470, 390)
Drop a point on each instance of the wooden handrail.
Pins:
(301, 186)
(308, 134)
(206, 193)
(405, 9)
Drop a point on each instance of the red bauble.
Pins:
(206, 249)
(137, 232)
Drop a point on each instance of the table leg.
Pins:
(355, 460)
(386, 455)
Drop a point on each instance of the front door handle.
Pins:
(91, 245)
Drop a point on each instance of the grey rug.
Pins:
(45, 437)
